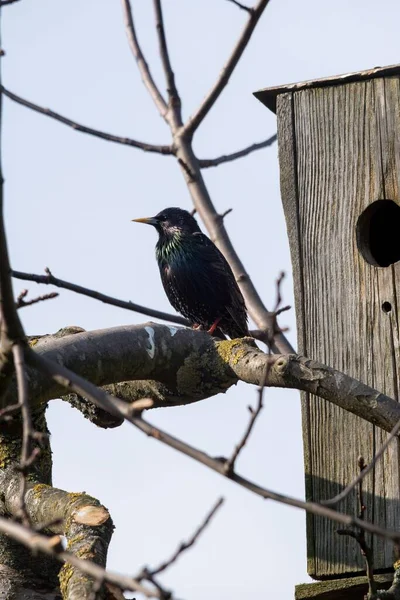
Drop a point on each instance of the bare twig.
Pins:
(228, 69)
(157, 148)
(230, 463)
(359, 535)
(141, 61)
(114, 406)
(205, 163)
(248, 9)
(7, 412)
(183, 546)
(21, 302)
(363, 472)
(186, 168)
(173, 94)
(50, 279)
(27, 430)
(5, 2)
(53, 547)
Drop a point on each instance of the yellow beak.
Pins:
(147, 220)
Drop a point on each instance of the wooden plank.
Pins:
(269, 96)
(345, 139)
(354, 588)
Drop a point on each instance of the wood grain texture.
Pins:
(354, 588)
(339, 152)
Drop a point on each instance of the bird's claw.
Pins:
(214, 326)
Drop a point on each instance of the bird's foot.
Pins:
(214, 326)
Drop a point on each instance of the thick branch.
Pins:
(193, 366)
(159, 149)
(75, 383)
(53, 547)
(86, 525)
(141, 61)
(228, 69)
(205, 163)
(11, 330)
(264, 320)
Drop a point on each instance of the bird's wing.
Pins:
(235, 304)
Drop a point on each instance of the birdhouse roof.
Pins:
(269, 95)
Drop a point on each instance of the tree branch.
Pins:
(74, 382)
(242, 6)
(158, 149)
(53, 547)
(228, 69)
(21, 302)
(264, 320)
(192, 366)
(84, 522)
(141, 61)
(146, 573)
(27, 429)
(363, 472)
(173, 94)
(50, 279)
(205, 163)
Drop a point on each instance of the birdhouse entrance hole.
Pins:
(378, 233)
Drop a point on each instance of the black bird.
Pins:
(196, 277)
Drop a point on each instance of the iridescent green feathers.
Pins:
(197, 279)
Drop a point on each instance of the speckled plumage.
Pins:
(197, 279)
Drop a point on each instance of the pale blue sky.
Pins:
(69, 202)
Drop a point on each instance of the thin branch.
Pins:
(359, 535)
(53, 547)
(75, 383)
(158, 149)
(184, 545)
(363, 472)
(21, 302)
(217, 465)
(27, 429)
(173, 94)
(11, 330)
(141, 61)
(205, 163)
(248, 9)
(49, 279)
(230, 463)
(228, 69)
(6, 2)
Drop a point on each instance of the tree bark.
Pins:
(175, 366)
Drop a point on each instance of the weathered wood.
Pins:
(353, 588)
(339, 152)
(268, 96)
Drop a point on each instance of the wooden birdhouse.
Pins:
(339, 156)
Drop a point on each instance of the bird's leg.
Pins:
(214, 326)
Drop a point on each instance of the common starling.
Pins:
(197, 279)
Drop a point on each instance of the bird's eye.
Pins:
(162, 218)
